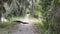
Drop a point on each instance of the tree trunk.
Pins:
(33, 7)
(0, 16)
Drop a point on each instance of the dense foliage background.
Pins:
(47, 10)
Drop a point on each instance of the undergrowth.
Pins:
(6, 24)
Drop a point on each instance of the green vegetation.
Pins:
(50, 17)
(7, 24)
(5, 32)
(45, 14)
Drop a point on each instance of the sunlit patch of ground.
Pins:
(36, 21)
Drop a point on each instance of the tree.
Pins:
(51, 15)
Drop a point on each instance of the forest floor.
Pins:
(25, 29)
(29, 28)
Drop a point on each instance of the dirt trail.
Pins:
(25, 28)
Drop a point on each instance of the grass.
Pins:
(40, 26)
(6, 24)
(10, 21)
(5, 32)
(14, 18)
(36, 21)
